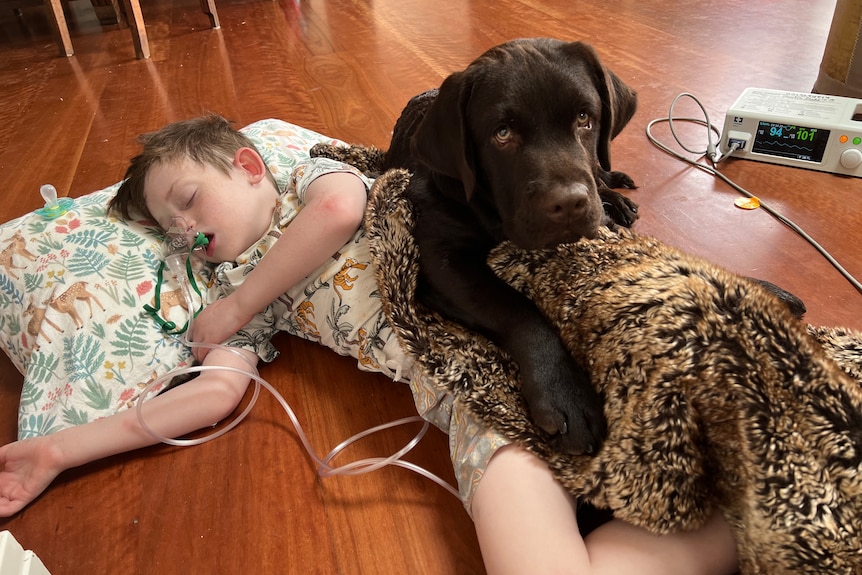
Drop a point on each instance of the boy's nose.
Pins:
(181, 223)
(182, 227)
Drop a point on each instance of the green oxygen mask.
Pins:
(182, 246)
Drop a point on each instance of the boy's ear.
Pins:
(251, 163)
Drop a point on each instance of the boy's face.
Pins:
(232, 211)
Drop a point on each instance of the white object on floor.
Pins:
(15, 560)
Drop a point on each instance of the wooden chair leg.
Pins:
(136, 25)
(209, 8)
(108, 12)
(62, 27)
(121, 18)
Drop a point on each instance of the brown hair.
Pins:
(208, 140)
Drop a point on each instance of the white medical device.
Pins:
(814, 131)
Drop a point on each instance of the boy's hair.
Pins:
(207, 140)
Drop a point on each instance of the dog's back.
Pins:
(398, 155)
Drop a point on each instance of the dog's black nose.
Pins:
(564, 205)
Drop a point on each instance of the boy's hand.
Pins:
(27, 468)
(217, 322)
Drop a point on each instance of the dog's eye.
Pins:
(503, 135)
(584, 120)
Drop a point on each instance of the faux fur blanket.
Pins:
(715, 395)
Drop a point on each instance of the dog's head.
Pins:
(526, 127)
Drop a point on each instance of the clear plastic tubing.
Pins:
(176, 263)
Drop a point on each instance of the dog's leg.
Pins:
(615, 180)
(558, 392)
(621, 210)
(618, 207)
(456, 281)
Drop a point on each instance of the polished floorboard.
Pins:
(250, 502)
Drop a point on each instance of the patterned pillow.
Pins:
(72, 291)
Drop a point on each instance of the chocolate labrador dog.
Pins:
(517, 147)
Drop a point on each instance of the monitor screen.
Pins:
(790, 141)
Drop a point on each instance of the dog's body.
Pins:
(516, 147)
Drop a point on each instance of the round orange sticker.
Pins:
(751, 203)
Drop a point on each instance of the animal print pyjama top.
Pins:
(338, 306)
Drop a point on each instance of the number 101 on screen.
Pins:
(793, 132)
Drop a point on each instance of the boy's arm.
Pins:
(333, 211)
(29, 466)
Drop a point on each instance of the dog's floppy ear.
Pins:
(619, 102)
(442, 141)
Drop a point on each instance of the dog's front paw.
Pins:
(564, 404)
(621, 210)
(616, 179)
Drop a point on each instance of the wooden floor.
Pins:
(250, 502)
